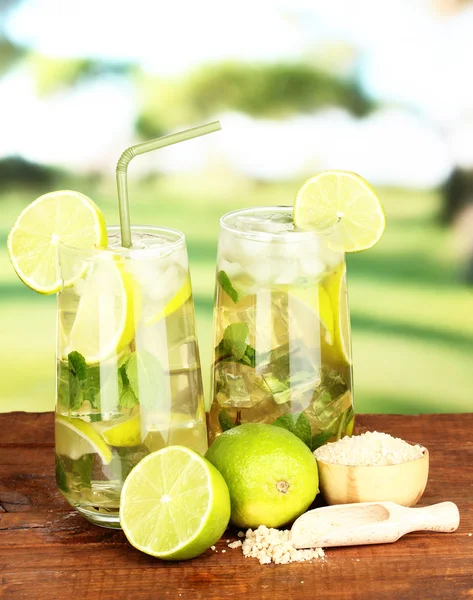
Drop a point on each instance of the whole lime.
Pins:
(271, 474)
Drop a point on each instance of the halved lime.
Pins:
(342, 200)
(126, 432)
(108, 306)
(176, 302)
(174, 504)
(64, 216)
(75, 437)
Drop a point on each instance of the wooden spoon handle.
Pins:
(442, 517)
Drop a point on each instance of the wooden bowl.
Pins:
(403, 483)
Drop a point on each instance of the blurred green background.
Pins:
(314, 94)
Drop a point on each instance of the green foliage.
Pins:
(9, 54)
(51, 74)
(275, 90)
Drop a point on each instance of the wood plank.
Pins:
(47, 550)
(27, 428)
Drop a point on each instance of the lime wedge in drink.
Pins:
(336, 290)
(125, 433)
(64, 216)
(174, 504)
(176, 302)
(75, 437)
(108, 306)
(342, 200)
(318, 300)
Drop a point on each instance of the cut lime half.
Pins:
(65, 216)
(75, 437)
(174, 504)
(341, 201)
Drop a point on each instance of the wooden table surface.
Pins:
(48, 551)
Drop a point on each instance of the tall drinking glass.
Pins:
(128, 368)
(282, 340)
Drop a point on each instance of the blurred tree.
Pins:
(457, 194)
(260, 90)
(16, 171)
(52, 74)
(9, 52)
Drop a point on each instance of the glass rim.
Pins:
(284, 236)
(179, 241)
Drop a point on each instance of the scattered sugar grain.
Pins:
(241, 534)
(212, 547)
(236, 544)
(274, 545)
(223, 551)
(370, 449)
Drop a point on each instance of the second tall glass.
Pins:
(282, 343)
(128, 369)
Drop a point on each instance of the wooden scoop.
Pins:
(369, 523)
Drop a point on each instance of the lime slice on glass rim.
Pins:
(75, 437)
(174, 504)
(343, 201)
(65, 216)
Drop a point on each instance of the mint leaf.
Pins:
(225, 421)
(91, 386)
(84, 382)
(227, 286)
(286, 422)
(82, 470)
(302, 430)
(127, 398)
(77, 365)
(249, 358)
(61, 477)
(145, 377)
(234, 338)
(319, 439)
(298, 424)
(75, 392)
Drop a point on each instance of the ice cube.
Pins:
(264, 223)
(232, 269)
(312, 266)
(286, 271)
(238, 385)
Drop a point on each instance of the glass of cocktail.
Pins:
(128, 369)
(282, 344)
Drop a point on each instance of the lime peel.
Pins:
(92, 441)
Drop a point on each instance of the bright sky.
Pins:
(409, 57)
